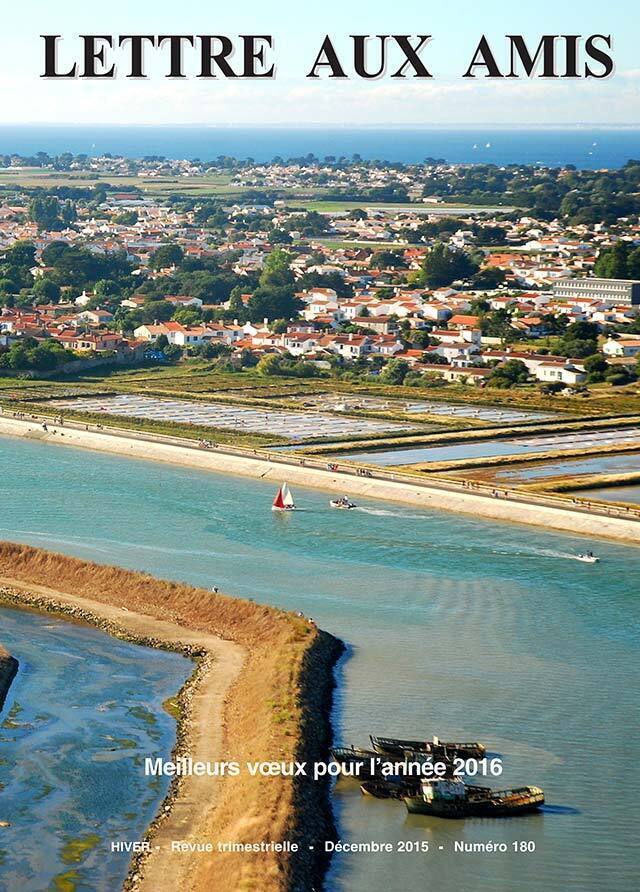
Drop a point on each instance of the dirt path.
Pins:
(191, 811)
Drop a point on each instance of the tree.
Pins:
(444, 265)
(582, 331)
(53, 252)
(596, 367)
(45, 211)
(237, 308)
(126, 218)
(309, 225)
(276, 271)
(20, 254)
(387, 259)
(497, 324)
(633, 264)
(619, 375)
(46, 291)
(489, 278)
(188, 316)
(80, 268)
(612, 262)
(275, 296)
(509, 373)
(325, 280)
(578, 349)
(167, 256)
(479, 305)
(395, 371)
(280, 237)
(157, 311)
(270, 364)
(270, 302)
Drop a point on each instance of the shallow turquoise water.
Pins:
(455, 626)
(82, 713)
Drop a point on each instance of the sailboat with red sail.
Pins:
(283, 500)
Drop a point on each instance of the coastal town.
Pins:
(396, 402)
(408, 284)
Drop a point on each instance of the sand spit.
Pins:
(538, 509)
(261, 690)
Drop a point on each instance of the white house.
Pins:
(621, 347)
(558, 371)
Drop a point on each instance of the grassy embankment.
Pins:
(277, 709)
(585, 481)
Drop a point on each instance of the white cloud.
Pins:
(285, 100)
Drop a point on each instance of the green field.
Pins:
(214, 184)
(330, 205)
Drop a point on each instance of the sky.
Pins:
(298, 30)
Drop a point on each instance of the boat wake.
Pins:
(385, 512)
(561, 555)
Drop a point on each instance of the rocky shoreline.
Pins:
(280, 648)
(313, 817)
(8, 670)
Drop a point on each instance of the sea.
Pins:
(588, 146)
(454, 626)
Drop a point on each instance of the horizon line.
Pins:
(324, 125)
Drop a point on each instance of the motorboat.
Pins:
(588, 558)
(343, 503)
(283, 500)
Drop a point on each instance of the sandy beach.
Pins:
(248, 657)
(554, 512)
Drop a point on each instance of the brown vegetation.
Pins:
(277, 709)
(584, 481)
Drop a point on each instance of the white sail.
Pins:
(287, 498)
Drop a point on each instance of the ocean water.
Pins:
(454, 626)
(586, 147)
(82, 713)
